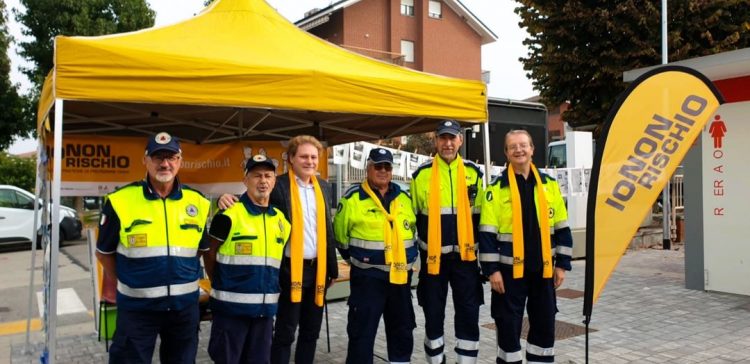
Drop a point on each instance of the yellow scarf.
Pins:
(395, 251)
(465, 224)
(298, 236)
(515, 201)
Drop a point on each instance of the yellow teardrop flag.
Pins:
(647, 134)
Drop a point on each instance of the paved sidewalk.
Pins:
(645, 315)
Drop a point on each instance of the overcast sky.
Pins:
(508, 79)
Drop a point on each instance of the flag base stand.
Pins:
(586, 322)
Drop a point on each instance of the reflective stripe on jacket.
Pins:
(246, 276)
(420, 193)
(358, 227)
(157, 256)
(496, 225)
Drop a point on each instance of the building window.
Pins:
(407, 50)
(407, 7)
(435, 10)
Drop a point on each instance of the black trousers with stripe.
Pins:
(372, 298)
(537, 296)
(432, 293)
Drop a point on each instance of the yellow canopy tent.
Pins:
(239, 70)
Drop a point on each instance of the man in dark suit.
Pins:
(306, 202)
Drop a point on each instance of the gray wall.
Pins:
(693, 192)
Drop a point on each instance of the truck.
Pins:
(576, 151)
(506, 115)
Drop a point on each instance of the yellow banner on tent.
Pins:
(96, 165)
(646, 137)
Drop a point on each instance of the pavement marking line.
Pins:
(67, 302)
(17, 327)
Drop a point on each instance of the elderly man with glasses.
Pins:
(150, 235)
(525, 248)
(374, 228)
(247, 243)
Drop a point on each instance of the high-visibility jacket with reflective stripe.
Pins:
(358, 227)
(420, 194)
(246, 276)
(496, 224)
(157, 257)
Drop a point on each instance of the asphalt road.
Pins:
(74, 279)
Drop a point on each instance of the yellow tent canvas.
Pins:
(238, 55)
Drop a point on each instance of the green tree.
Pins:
(11, 103)
(45, 19)
(578, 49)
(420, 143)
(17, 171)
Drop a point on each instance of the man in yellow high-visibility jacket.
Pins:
(444, 197)
(150, 235)
(309, 265)
(525, 246)
(374, 228)
(247, 244)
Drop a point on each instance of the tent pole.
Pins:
(487, 161)
(55, 224)
(34, 241)
(339, 182)
(93, 264)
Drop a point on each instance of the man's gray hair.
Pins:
(516, 132)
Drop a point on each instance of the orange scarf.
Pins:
(542, 218)
(395, 251)
(297, 251)
(464, 223)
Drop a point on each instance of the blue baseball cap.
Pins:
(259, 160)
(163, 141)
(380, 155)
(448, 127)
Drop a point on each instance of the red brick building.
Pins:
(440, 37)
(555, 122)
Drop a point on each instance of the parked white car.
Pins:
(17, 218)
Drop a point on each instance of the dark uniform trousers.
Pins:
(135, 336)
(432, 293)
(240, 340)
(370, 299)
(507, 311)
(305, 314)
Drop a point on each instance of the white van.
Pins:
(557, 154)
(576, 151)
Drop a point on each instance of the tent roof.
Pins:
(239, 70)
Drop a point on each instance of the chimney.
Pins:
(311, 12)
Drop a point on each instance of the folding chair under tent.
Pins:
(238, 71)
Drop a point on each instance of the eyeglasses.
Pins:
(518, 146)
(383, 166)
(171, 158)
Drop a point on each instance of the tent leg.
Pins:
(55, 224)
(34, 241)
(93, 264)
(328, 335)
(487, 161)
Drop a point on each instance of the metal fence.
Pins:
(677, 202)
